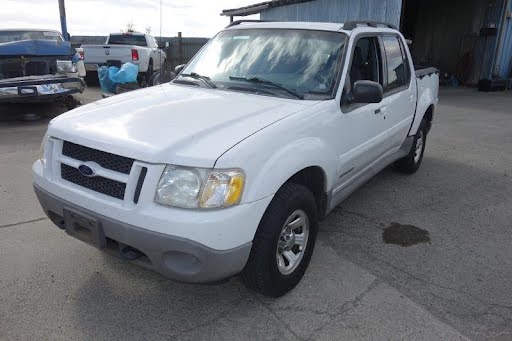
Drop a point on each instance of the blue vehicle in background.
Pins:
(38, 66)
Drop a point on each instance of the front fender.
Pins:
(267, 172)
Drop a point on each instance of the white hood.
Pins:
(173, 124)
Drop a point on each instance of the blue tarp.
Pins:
(36, 48)
(127, 74)
(110, 76)
(105, 74)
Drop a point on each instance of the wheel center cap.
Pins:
(289, 240)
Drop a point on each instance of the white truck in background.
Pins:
(137, 48)
(229, 168)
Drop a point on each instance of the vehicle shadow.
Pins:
(133, 303)
(28, 112)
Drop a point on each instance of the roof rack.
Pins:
(350, 25)
(238, 22)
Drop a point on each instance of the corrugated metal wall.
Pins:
(337, 11)
(505, 61)
(488, 49)
(485, 46)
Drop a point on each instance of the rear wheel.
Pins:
(91, 78)
(149, 72)
(284, 242)
(412, 162)
(155, 79)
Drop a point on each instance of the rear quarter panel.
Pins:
(428, 95)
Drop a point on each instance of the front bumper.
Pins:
(39, 88)
(173, 257)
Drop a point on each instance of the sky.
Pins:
(194, 18)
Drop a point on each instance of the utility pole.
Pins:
(63, 25)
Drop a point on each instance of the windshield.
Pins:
(10, 36)
(127, 39)
(303, 62)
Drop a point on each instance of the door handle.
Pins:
(382, 111)
(411, 98)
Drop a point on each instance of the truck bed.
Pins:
(422, 72)
(101, 54)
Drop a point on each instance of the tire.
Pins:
(412, 162)
(91, 78)
(262, 273)
(149, 71)
(155, 79)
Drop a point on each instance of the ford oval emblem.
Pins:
(86, 170)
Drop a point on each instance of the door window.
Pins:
(365, 65)
(365, 61)
(398, 72)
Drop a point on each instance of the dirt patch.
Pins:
(405, 235)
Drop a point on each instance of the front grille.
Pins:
(37, 68)
(106, 160)
(138, 188)
(99, 184)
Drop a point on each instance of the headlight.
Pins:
(65, 66)
(187, 187)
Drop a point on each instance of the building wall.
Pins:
(337, 11)
(504, 65)
(446, 29)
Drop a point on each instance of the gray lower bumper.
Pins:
(37, 89)
(173, 257)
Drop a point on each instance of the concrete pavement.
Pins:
(357, 287)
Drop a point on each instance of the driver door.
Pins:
(363, 137)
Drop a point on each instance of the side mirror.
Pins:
(166, 44)
(367, 92)
(178, 68)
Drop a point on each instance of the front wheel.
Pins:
(412, 162)
(284, 242)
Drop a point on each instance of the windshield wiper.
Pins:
(258, 80)
(200, 77)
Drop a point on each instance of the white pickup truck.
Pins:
(229, 168)
(137, 48)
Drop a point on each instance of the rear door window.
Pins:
(398, 72)
(127, 39)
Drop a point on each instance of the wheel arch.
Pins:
(429, 116)
(315, 180)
